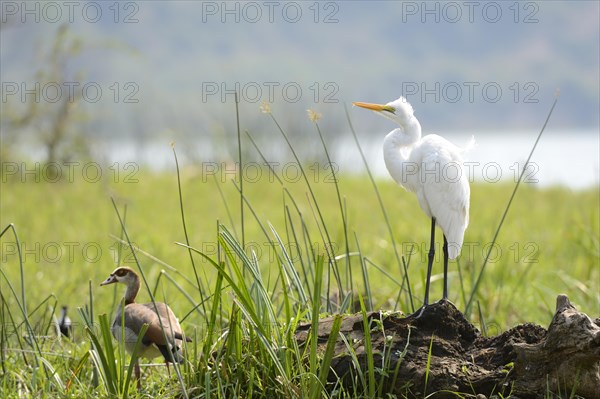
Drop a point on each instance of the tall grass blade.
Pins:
(12, 227)
(328, 355)
(512, 196)
(256, 217)
(482, 320)
(401, 356)
(241, 167)
(357, 366)
(54, 376)
(21, 303)
(134, 359)
(76, 371)
(365, 274)
(332, 262)
(303, 265)
(103, 356)
(339, 197)
(428, 365)
(213, 315)
(110, 368)
(185, 232)
(264, 159)
(230, 242)
(328, 241)
(224, 201)
(291, 272)
(371, 383)
(240, 288)
(266, 341)
(314, 327)
(378, 195)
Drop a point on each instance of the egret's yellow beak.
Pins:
(375, 107)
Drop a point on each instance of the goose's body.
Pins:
(164, 334)
(153, 343)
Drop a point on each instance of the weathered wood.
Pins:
(569, 357)
(524, 361)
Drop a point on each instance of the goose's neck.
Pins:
(132, 289)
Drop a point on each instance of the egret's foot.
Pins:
(445, 300)
(419, 311)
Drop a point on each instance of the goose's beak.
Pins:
(111, 279)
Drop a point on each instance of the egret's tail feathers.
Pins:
(454, 249)
(471, 144)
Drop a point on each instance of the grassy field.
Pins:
(287, 262)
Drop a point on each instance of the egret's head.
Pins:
(399, 111)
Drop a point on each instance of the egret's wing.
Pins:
(445, 188)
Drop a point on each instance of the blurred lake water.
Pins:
(565, 158)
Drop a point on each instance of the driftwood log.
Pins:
(526, 361)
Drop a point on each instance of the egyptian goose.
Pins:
(135, 315)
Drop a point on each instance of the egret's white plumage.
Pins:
(429, 166)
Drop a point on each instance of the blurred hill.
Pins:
(169, 68)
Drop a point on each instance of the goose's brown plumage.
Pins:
(158, 316)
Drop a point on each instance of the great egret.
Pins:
(432, 168)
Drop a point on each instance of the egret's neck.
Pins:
(398, 139)
(407, 135)
(133, 286)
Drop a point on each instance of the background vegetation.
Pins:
(308, 245)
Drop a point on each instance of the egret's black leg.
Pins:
(430, 257)
(445, 250)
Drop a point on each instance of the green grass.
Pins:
(550, 234)
(311, 247)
